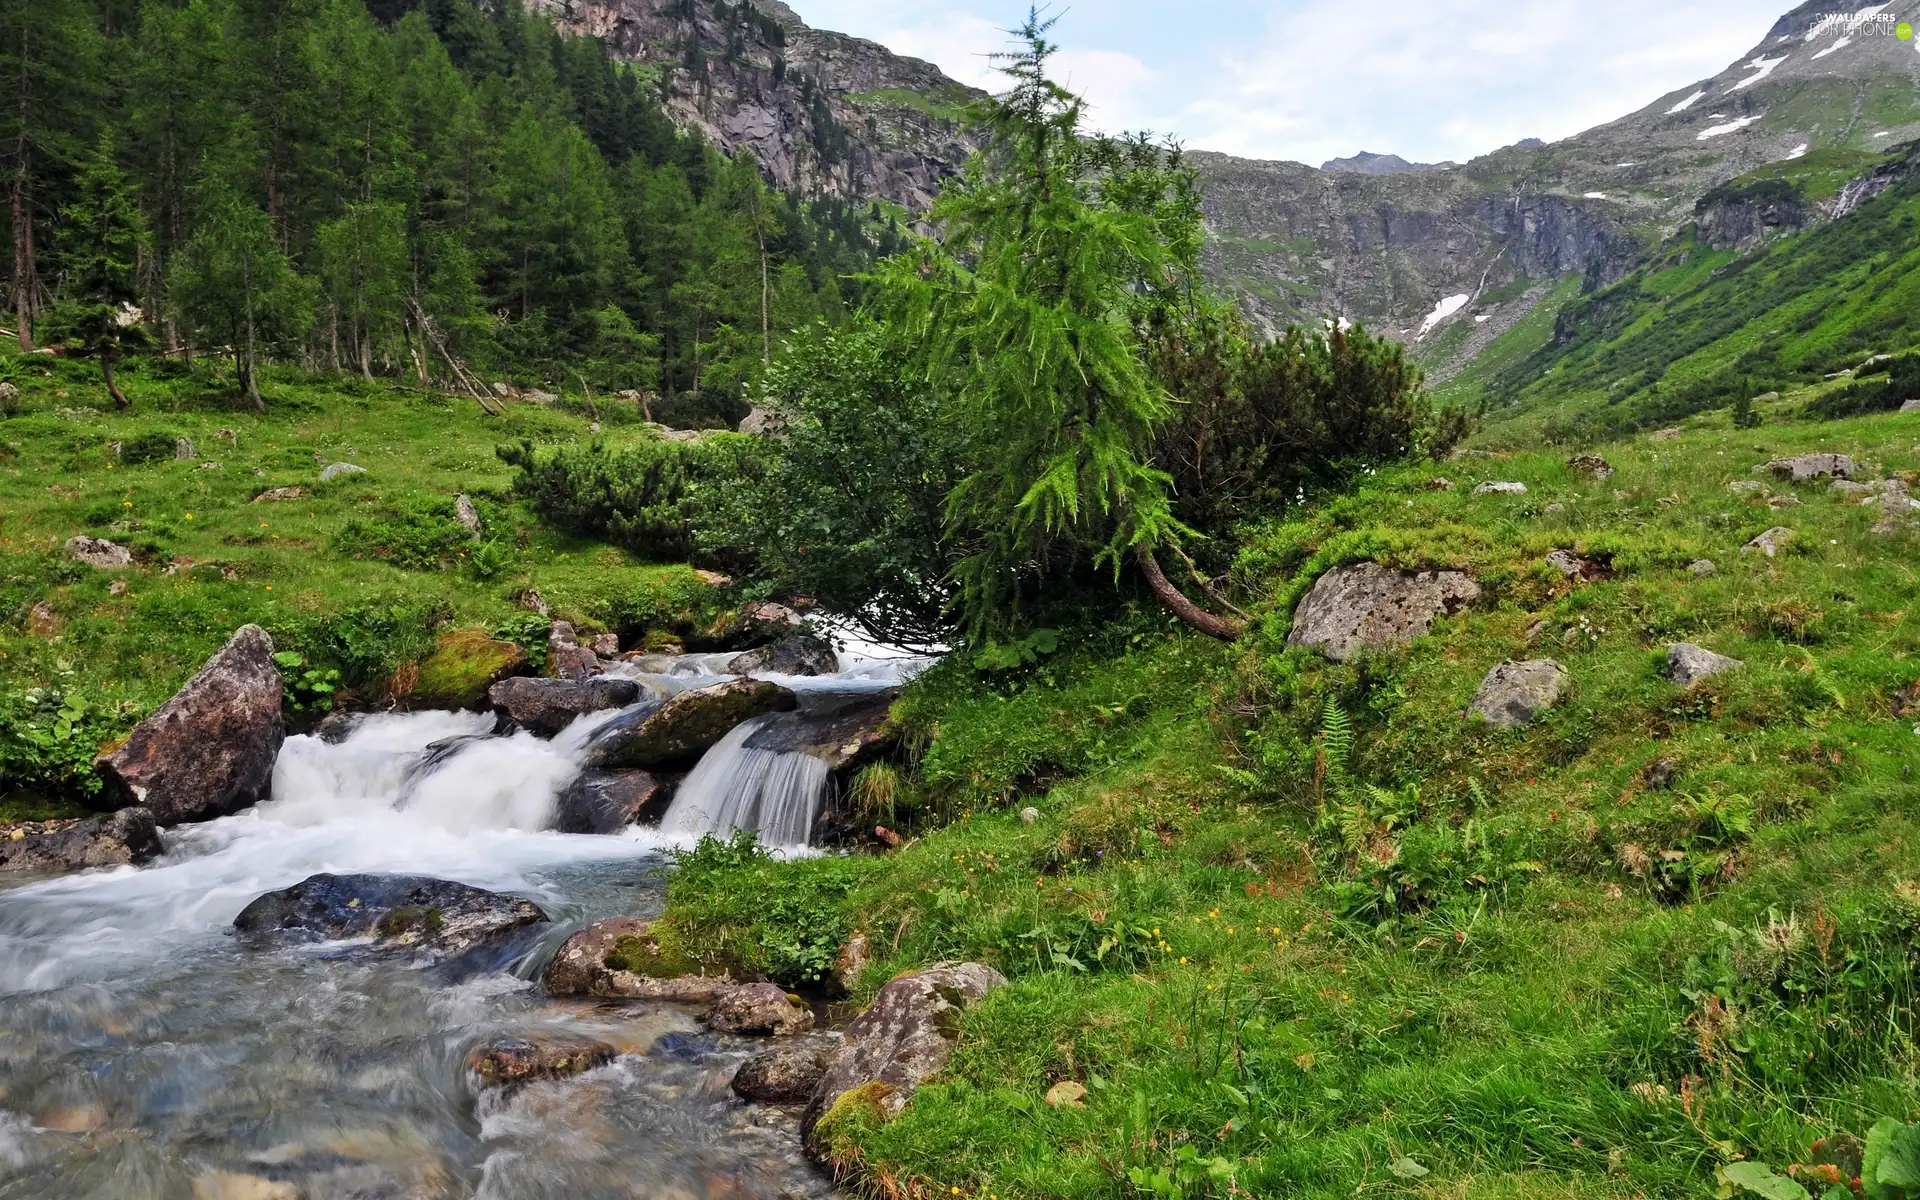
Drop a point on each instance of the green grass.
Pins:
(1514, 964)
(360, 574)
(948, 104)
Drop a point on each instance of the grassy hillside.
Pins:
(361, 574)
(1698, 328)
(1305, 929)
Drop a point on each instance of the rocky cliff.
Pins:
(824, 114)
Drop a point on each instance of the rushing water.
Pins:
(144, 1053)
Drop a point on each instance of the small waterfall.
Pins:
(739, 786)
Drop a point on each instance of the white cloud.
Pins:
(1317, 79)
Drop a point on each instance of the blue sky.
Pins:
(1313, 79)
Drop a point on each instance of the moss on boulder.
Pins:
(463, 665)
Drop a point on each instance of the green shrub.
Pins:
(786, 920)
(417, 532)
(48, 740)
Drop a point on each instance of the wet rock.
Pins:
(507, 1059)
(1368, 606)
(464, 667)
(397, 911)
(275, 495)
(684, 727)
(566, 657)
(614, 958)
(209, 751)
(334, 471)
(609, 801)
(1703, 567)
(605, 645)
(1516, 693)
(1501, 487)
(758, 1009)
(902, 1039)
(844, 736)
(765, 621)
(1807, 468)
(128, 836)
(1772, 542)
(798, 654)
(784, 1075)
(1591, 465)
(546, 706)
(98, 552)
(1688, 664)
(468, 516)
(337, 726)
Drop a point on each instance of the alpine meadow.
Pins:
(633, 598)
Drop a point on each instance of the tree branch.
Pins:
(1177, 603)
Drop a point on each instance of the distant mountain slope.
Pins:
(1699, 327)
(1368, 163)
(1294, 243)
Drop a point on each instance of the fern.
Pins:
(1336, 749)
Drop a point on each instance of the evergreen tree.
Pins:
(50, 73)
(234, 285)
(363, 267)
(102, 239)
(1057, 249)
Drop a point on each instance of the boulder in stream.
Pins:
(1370, 606)
(546, 706)
(783, 1075)
(843, 736)
(798, 654)
(410, 912)
(686, 726)
(620, 959)
(901, 1040)
(609, 801)
(209, 751)
(762, 1009)
(128, 836)
(508, 1059)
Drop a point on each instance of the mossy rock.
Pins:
(463, 665)
(835, 1137)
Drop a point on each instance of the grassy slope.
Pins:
(285, 565)
(1791, 311)
(1193, 926)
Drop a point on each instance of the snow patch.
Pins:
(1845, 40)
(1762, 67)
(1689, 102)
(1441, 311)
(1624, 166)
(1714, 131)
(1479, 317)
(1884, 133)
(1797, 151)
(1595, 196)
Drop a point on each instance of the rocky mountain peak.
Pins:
(1368, 163)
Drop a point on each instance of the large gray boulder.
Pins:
(799, 654)
(1368, 606)
(1516, 693)
(209, 751)
(686, 726)
(566, 657)
(1806, 468)
(761, 1009)
(902, 1039)
(619, 958)
(1688, 664)
(783, 1075)
(128, 836)
(844, 737)
(399, 912)
(609, 801)
(546, 706)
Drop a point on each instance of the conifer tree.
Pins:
(102, 239)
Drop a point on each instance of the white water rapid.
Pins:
(150, 1055)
